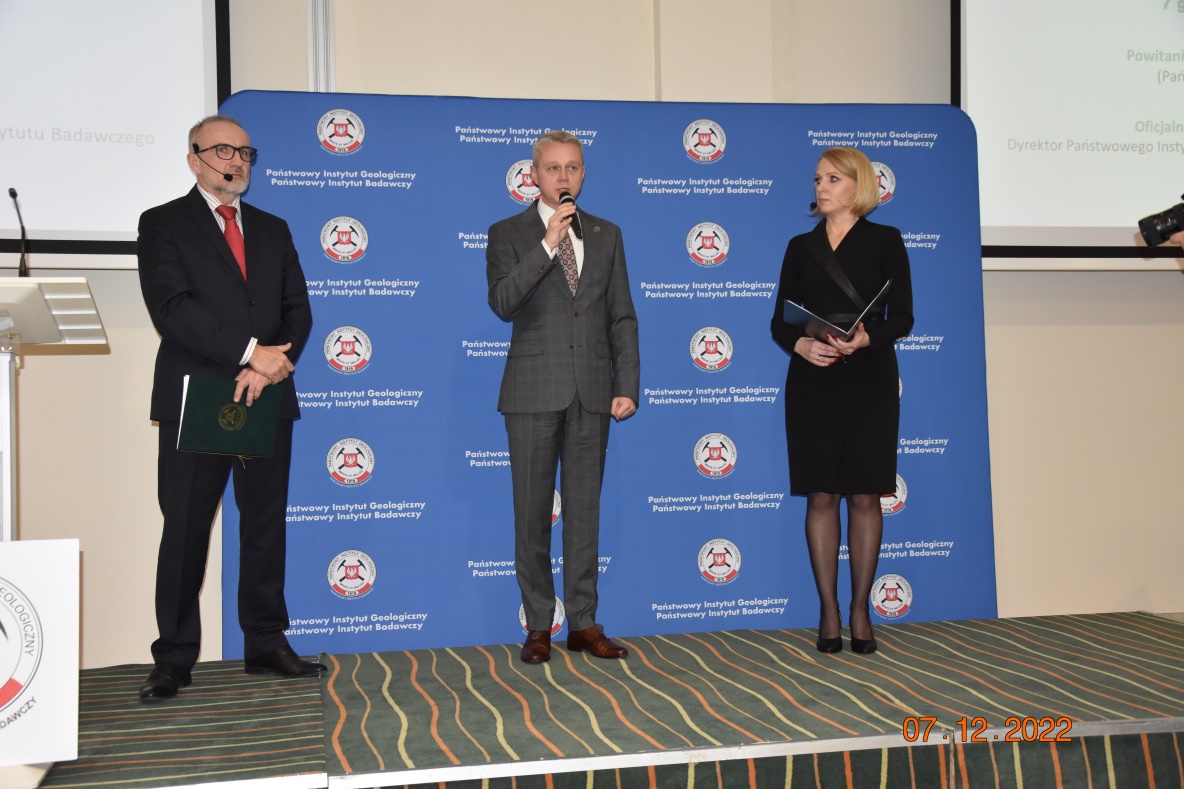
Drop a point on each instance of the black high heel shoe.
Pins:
(830, 645)
(863, 646)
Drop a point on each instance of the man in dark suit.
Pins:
(225, 290)
(573, 363)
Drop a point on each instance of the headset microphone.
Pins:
(226, 176)
(813, 206)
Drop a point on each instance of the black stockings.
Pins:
(865, 526)
(822, 537)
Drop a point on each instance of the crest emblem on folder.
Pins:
(232, 417)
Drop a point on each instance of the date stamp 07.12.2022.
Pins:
(1015, 729)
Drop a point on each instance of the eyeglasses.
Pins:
(246, 153)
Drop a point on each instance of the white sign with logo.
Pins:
(38, 653)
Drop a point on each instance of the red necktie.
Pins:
(233, 236)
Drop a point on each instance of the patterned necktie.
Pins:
(567, 256)
(233, 236)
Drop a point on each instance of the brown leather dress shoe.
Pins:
(593, 640)
(537, 648)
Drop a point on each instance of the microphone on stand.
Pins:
(577, 227)
(23, 268)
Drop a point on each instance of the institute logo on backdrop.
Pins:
(341, 132)
(520, 183)
(711, 349)
(348, 349)
(344, 239)
(885, 180)
(708, 244)
(891, 596)
(21, 643)
(556, 621)
(704, 141)
(556, 507)
(892, 503)
(719, 561)
(715, 455)
(350, 462)
(352, 574)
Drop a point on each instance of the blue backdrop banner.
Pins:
(400, 529)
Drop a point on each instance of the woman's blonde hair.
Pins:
(852, 163)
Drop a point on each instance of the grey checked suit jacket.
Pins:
(561, 345)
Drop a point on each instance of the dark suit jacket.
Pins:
(205, 312)
(560, 344)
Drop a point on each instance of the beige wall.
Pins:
(1085, 388)
(87, 469)
(497, 49)
(269, 45)
(1084, 379)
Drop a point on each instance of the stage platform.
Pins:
(942, 704)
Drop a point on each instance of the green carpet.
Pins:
(744, 708)
(430, 712)
(1122, 762)
(227, 726)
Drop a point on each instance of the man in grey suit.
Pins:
(573, 363)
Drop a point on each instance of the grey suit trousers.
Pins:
(576, 441)
(569, 356)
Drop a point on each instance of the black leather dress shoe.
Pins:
(163, 682)
(282, 661)
(537, 648)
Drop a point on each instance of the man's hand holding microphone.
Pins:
(565, 216)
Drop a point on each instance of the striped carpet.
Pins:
(1123, 762)
(746, 708)
(227, 726)
(433, 715)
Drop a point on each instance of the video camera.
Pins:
(1158, 227)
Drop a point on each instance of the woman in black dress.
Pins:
(842, 404)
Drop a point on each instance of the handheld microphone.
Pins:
(225, 176)
(577, 227)
(23, 267)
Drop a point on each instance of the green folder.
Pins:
(211, 422)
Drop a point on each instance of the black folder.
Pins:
(211, 422)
